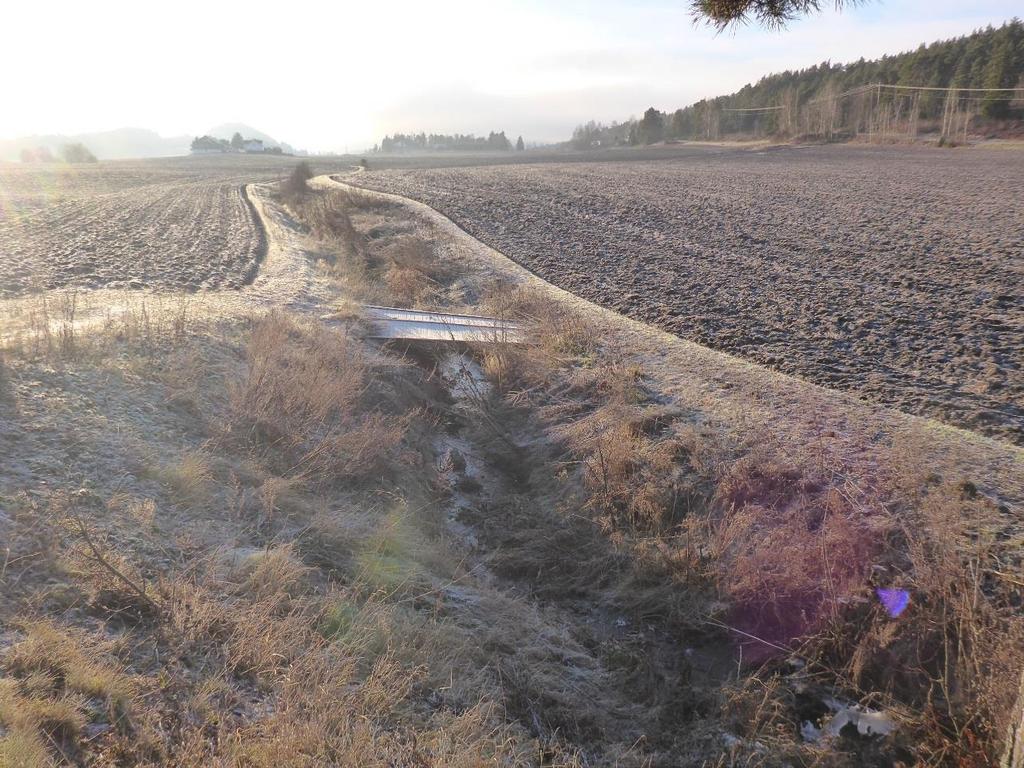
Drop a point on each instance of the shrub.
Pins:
(295, 188)
(76, 153)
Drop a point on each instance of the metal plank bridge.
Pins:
(414, 324)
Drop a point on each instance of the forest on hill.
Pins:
(949, 87)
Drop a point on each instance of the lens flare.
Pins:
(895, 601)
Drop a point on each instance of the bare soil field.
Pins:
(175, 224)
(675, 151)
(891, 272)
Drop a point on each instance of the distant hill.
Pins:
(130, 143)
(227, 130)
(890, 95)
(119, 144)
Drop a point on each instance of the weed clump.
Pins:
(53, 680)
(301, 404)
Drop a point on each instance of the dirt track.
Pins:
(894, 273)
(177, 224)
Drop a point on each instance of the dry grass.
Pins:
(287, 591)
(632, 468)
(951, 662)
(275, 573)
(323, 647)
(299, 404)
(787, 546)
(328, 215)
(55, 678)
(74, 326)
(343, 251)
(561, 339)
(799, 556)
(629, 472)
(339, 692)
(793, 549)
(412, 274)
(397, 269)
(189, 479)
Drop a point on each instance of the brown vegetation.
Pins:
(795, 551)
(777, 558)
(378, 266)
(297, 625)
(299, 404)
(295, 188)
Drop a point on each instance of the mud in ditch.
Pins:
(893, 273)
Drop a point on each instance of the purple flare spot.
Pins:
(894, 600)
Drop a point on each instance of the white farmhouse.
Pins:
(252, 145)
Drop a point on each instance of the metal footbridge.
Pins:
(414, 324)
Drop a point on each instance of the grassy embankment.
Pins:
(251, 542)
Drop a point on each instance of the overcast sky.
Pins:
(337, 75)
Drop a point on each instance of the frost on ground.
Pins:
(893, 273)
(176, 224)
(250, 538)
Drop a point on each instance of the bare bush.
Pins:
(296, 187)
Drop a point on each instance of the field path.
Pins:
(858, 439)
(283, 278)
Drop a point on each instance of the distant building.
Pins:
(252, 145)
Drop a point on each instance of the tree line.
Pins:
(829, 98)
(438, 142)
(70, 153)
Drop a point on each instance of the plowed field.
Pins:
(893, 273)
(182, 223)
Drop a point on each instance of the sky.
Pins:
(336, 76)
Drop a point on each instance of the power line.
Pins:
(757, 109)
(963, 93)
(934, 88)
